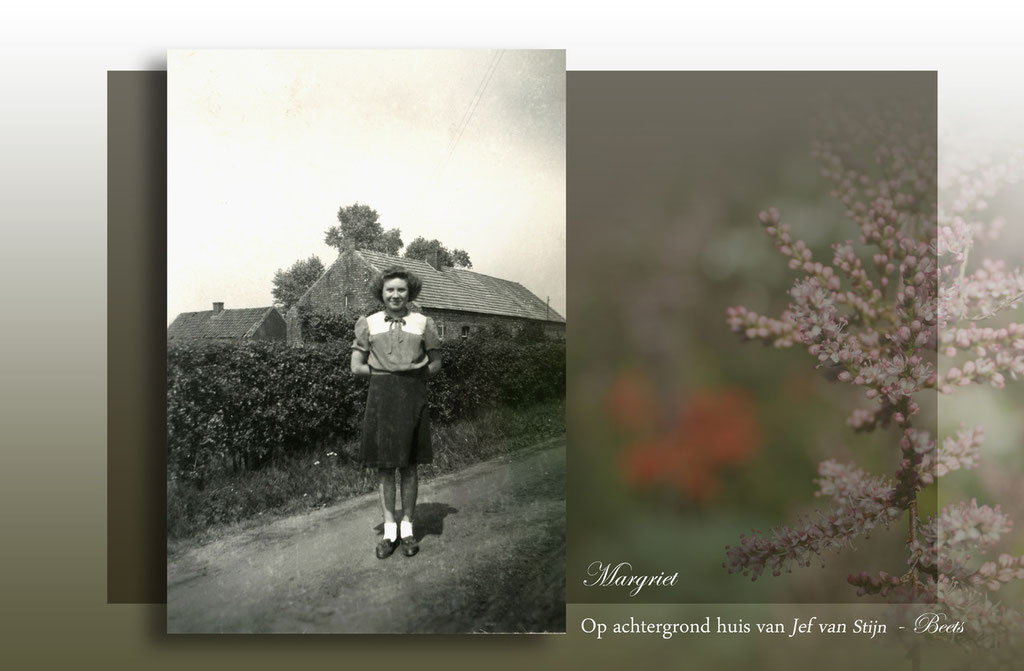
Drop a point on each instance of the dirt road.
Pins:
(492, 559)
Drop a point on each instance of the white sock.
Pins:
(406, 528)
(391, 531)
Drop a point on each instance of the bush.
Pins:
(328, 327)
(235, 408)
(238, 408)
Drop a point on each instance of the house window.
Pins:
(465, 332)
(440, 331)
(348, 300)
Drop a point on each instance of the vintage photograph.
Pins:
(366, 340)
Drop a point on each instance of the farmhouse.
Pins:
(460, 302)
(220, 325)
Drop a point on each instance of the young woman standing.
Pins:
(398, 350)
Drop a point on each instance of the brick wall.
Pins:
(345, 284)
(454, 321)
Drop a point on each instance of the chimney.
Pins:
(434, 261)
(218, 308)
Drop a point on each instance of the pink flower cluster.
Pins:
(988, 624)
(968, 524)
(960, 451)
(973, 353)
(939, 554)
(863, 502)
(917, 467)
(896, 316)
(752, 326)
(981, 294)
(993, 574)
(874, 326)
(876, 343)
(960, 585)
(885, 584)
(991, 353)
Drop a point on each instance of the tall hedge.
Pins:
(234, 407)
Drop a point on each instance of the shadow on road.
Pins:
(429, 519)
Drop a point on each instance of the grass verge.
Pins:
(195, 517)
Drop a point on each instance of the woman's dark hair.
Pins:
(415, 283)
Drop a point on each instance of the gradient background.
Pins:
(53, 260)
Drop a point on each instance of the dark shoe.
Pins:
(385, 548)
(410, 546)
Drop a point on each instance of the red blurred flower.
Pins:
(715, 429)
(631, 403)
(723, 423)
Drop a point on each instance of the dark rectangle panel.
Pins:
(136, 353)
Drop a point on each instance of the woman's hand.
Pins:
(434, 365)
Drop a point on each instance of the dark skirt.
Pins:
(396, 428)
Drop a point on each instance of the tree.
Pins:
(359, 226)
(389, 243)
(461, 259)
(289, 285)
(424, 250)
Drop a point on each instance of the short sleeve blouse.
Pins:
(396, 345)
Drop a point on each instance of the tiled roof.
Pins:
(238, 323)
(459, 289)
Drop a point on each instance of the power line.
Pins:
(467, 117)
(476, 94)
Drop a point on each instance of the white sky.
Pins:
(265, 146)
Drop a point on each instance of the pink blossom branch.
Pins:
(960, 451)
(752, 326)
(966, 524)
(862, 503)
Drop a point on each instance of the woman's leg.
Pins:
(410, 485)
(386, 487)
(410, 489)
